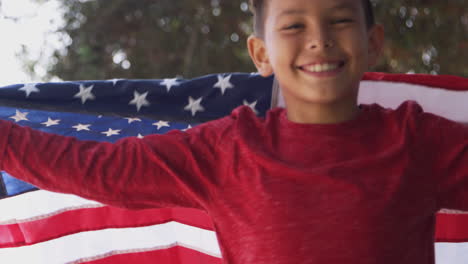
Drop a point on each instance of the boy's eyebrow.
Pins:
(344, 6)
(291, 12)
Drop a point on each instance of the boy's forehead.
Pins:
(276, 8)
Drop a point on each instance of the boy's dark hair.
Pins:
(258, 9)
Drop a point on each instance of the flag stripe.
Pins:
(433, 100)
(452, 227)
(451, 253)
(446, 82)
(39, 204)
(159, 256)
(98, 243)
(32, 232)
(92, 216)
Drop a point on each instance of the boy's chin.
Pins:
(324, 98)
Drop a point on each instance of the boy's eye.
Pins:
(342, 21)
(293, 27)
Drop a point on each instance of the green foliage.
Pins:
(425, 36)
(152, 39)
(166, 38)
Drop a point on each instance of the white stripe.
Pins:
(38, 204)
(449, 104)
(451, 253)
(97, 243)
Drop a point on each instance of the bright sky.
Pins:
(32, 29)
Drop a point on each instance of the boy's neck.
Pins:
(323, 113)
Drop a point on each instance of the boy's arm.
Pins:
(172, 170)
(449, 141)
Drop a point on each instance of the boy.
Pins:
(325, 181)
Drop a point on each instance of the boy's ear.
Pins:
(376, 43)
(259, 55)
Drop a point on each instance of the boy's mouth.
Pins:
(325, 67)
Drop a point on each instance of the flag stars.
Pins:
(161, 124)
(194, 106)
(20, 116)
(133, 119)
(29, 88)
(189, 127)
(140, 136)
(85, 93)
(224, 83)
(252, 106)
(50, 122)
(81, 127)
(139, 100)
(169, 83)
(112, 132)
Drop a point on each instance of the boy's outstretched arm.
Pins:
(448, 144)
(171, 170)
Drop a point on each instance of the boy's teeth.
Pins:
(322, 67)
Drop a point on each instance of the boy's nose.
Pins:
(319, 44)
(319, 39)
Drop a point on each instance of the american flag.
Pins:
(37, 226)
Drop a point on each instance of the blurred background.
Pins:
(93, 40)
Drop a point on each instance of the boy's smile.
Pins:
(323, 68)
(318, 51)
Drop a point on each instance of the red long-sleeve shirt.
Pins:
(359, 192)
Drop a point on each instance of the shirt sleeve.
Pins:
(170, 170)
(448, 143)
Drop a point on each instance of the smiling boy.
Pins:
(322, 181)
(318, 51)
(384, 211)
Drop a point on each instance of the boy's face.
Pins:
(318, 50)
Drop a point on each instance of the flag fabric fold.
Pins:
(37, 226)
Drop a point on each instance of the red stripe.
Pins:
(452, 228)
(90, 219)
(449, 227)
(448, 82)
(167, 256)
